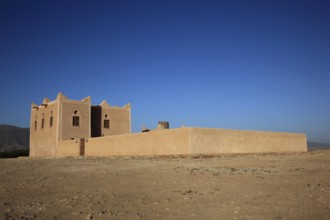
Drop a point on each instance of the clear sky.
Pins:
(255, 65)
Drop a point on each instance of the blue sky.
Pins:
(255, 65)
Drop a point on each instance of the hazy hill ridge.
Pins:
(13, 138)
(317, 146)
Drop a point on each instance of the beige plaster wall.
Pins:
(43, 151)
(68, 148)
(213, 141)
(119, 121)
(163, 142)
(196, 141)
(67, 130)
(43, 140)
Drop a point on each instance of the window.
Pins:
(75, 120)
(35, 125)
(51, 121)
(42, 123)
(106, 123)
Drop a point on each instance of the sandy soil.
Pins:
(286, 186)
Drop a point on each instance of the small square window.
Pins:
(75, 121)
(106, 123)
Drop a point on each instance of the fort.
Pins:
(65, 127)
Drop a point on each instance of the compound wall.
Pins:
(163, 142)
(221, 141)
(196, 141)
(183, 141)
(68, 148)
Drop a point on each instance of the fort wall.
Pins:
(180, 141)
(67, 148)
(163, 142)
(222, 141)
(196, 141)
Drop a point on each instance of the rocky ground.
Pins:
(268, 186)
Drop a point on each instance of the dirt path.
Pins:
(288, 186)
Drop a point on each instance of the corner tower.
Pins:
(54, 121)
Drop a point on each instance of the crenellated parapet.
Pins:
(105, 104)
(59, 99)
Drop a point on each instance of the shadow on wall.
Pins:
(96, 116)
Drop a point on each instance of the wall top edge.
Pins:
(238, 130)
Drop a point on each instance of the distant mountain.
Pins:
(13, 138)
(317, 146)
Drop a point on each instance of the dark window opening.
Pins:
(42, 123)
(106, 123)
(35, 125)
(75, 121)
(96, 121)
(51, 121)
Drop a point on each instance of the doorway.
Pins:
(82, 147)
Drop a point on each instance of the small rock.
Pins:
(90, 216)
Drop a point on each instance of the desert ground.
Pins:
(250, 186)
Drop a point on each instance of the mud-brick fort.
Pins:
(65, 127)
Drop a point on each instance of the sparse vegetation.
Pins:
(14, 141)
(14, 153)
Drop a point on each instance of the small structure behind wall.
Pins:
(163, 125)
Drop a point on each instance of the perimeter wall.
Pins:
(162, 142)
(67, 148)
(222, 141)
(195, 141)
